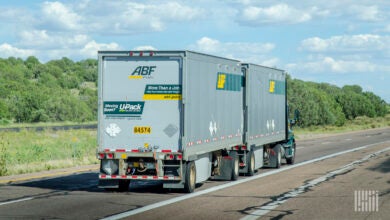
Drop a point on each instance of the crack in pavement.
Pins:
(279, 200)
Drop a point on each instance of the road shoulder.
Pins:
(337, 198)
(47, 174)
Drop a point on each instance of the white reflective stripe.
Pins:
(17, 200)
(139, 177)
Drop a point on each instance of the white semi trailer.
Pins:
(183, 117)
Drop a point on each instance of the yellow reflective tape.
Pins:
(162, 97)
(135, 77)
(123, 156)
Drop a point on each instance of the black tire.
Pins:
(190, 177)
(123, 185)
(251, 163)
(291, 160)
(236, 165)
(278, 155)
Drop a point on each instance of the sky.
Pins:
(345, 42)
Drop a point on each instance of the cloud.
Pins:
(329, 64)
(130, 17)
(209, 45)
(387, 28)
(87, 50)
(59, 16)
(146, 47)
(46, 40)
(91, 48)
(243, 51)
(76, 47)
(281, 13)
(266, 12)
(363, 53)
(346, 43)
(7, 50)
(16, 17)
(366, 13)
(101, 16)
(177, 12)
(253, 15)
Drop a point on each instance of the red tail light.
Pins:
(169, 157)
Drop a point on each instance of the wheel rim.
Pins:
(236, 167)
(252, 162)
(279, 157)
(192, 176)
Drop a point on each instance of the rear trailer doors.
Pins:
(140, 99)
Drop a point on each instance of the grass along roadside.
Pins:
(30, 151)
(43, 124)
(358, 124)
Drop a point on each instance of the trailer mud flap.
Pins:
(226, 167)
(275, 156)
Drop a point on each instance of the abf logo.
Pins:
(142, 72)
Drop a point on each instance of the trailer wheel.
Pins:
(236, 165)
(251, 164)
(291, 160)
(190, 177)
(123, 185)
(278, 155)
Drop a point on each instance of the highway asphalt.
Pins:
(76, 196)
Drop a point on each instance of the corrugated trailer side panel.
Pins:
(212, 97)
(266, 105)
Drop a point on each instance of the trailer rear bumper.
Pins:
(121, 167)
(137, 177)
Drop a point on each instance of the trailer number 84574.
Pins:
(142, 130)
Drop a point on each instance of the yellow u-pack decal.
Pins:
(221, 81)
(271, 86)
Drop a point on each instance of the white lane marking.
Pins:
(299, 148)
(326, 142)
(17, 200)
(263, 210)
(216, 188)
(348, 139)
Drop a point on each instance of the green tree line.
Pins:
(64, 90)
(59, 90)
(326, 104)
